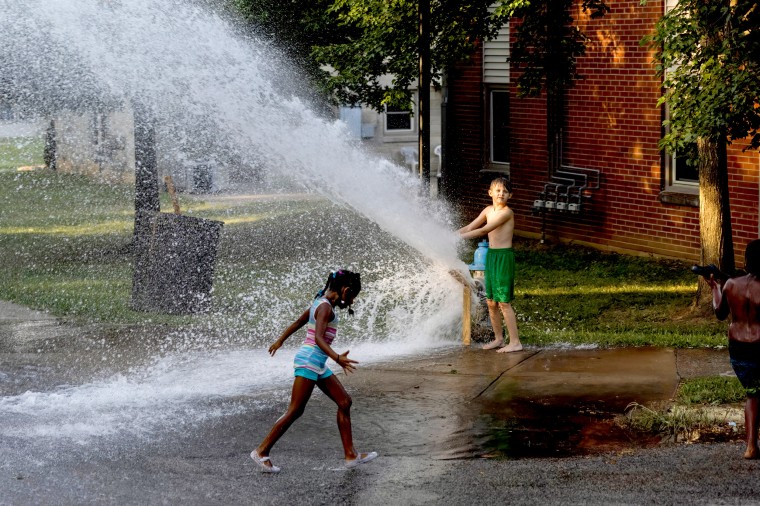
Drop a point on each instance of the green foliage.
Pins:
(359, 42)
(386, 44)
(294, 27)
(709, 55)
(711, 390)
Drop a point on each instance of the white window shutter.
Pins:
(495, 54)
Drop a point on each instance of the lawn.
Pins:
(65, 241)
(18, 152)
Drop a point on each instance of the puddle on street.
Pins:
(562, 403)
(555, 431)
(537, 430)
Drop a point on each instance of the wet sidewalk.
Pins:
(534, 403)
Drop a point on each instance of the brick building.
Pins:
(637, 199)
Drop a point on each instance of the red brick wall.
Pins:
(613, 124)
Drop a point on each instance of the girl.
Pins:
(310, 368)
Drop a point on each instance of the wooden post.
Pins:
(466, 315)
(468, 286)
(172, 194)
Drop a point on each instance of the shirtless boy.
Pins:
(498, 222)
(740, 297)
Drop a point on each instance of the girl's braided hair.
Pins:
(340, 279)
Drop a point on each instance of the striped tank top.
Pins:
(311, 328)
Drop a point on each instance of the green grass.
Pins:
(18, 152)
(702, 409)
(65, 239)
(579, 296)
(713, 390)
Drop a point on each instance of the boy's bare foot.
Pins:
(510, 347)
(752, 453)
(493, 344)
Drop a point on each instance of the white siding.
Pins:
(495, 54)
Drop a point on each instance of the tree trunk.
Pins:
(716, 241)
(146, 171)
(423, 95)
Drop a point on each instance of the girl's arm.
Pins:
(292, 329)
(322, 316)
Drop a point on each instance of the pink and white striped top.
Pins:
(311, 328)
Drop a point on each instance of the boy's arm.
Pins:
(495, 223)
(719, 302)
(477, 222)
(292, 329)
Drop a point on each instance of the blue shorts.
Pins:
(311, 363)
(745, 360)
(309, 374)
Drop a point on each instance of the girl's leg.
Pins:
(302, 389)
(333, 389)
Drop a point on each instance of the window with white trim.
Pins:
(498, 122)
(496, 79)
(680, 176)
(399, 120)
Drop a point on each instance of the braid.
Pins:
(340, 279)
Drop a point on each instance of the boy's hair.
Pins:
(342, 278)
(502, 181)
(752, 257)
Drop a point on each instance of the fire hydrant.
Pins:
(477, 271)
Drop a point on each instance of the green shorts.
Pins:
(500, 274)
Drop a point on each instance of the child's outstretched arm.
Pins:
(322, 315)
(292, 329)
(482, 227)
(474, 224)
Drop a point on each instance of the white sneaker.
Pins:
(261, 462)
(361, 460)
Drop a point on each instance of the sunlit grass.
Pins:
(624, 289)
(111, 227)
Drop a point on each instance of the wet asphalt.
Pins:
(459, 426)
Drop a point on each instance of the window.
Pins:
(398, 119)
(680, 177)
(496, 78)
(498, 129)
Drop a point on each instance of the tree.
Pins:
(295, 27)
(708, 52)
(379, 38)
